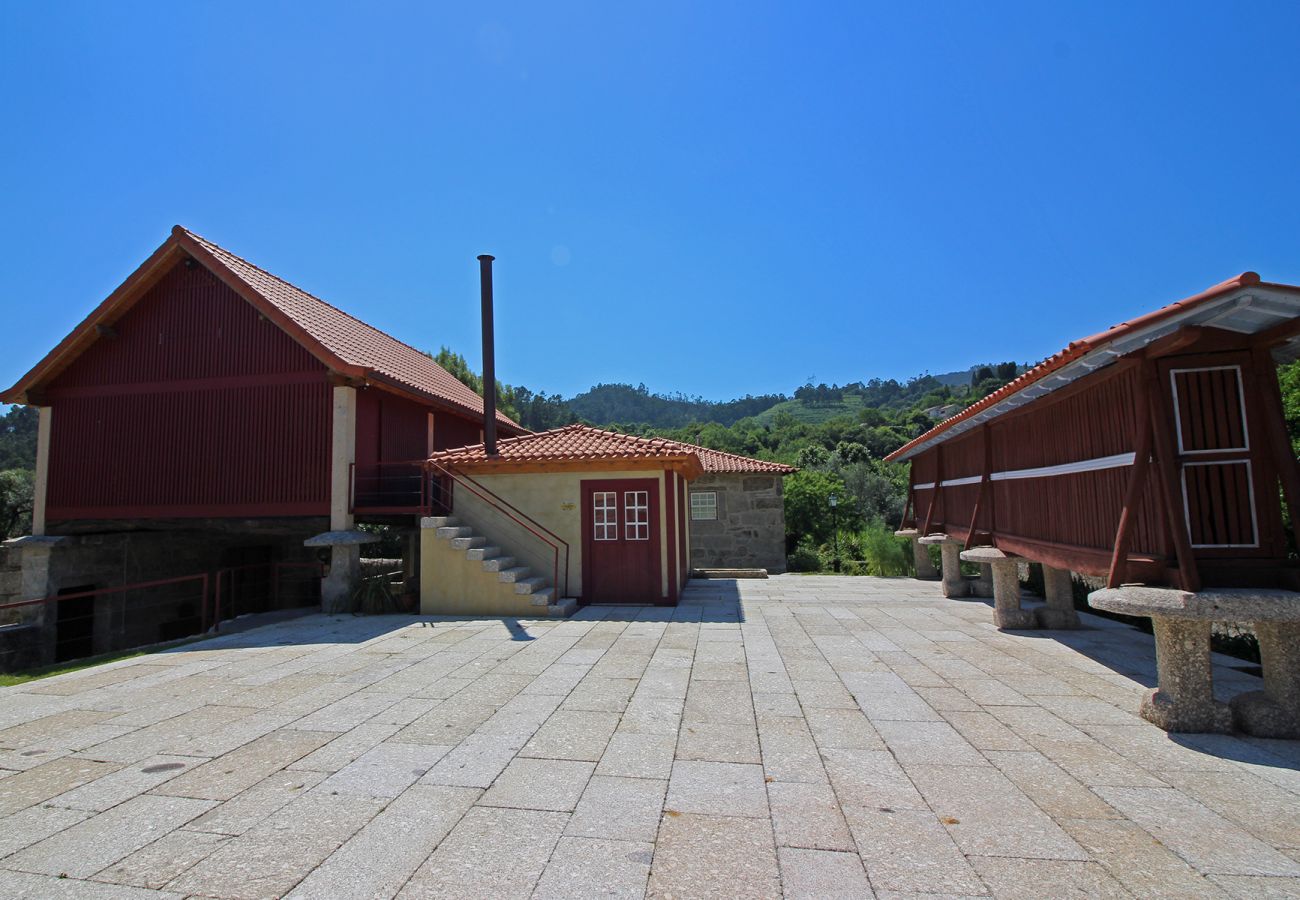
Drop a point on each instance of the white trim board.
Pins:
(1086, 465)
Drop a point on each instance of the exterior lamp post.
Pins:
(835, 501)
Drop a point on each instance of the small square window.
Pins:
(704, 505)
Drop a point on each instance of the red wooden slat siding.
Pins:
(453, 431)
(1209, 409)
(1079, 510)
(394, 429)
(1226, 486)
(1213, 513)
(197, 406)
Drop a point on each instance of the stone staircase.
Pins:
(492, 564)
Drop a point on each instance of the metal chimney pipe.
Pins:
(489, 358)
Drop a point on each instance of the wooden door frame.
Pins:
(587, 487)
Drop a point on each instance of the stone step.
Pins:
(562, 608)
(543, 597)
(468, 543)
(454, 531)
(439, 521)
(498, 563)
(529, 585)
(515, 574)
(483, 553)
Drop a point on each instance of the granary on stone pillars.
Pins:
(1152, 454)
(209, 416)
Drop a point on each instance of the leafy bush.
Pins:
(803, 559)
(884, 552)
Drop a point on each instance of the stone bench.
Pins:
(1184, 697)
(1058, 590)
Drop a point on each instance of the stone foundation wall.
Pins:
(749, 532)
(115, 621)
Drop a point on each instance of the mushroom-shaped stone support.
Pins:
(1184, 699)
(954, 585)
(1007, 612)
(920, 554)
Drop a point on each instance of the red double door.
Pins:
(620, 541)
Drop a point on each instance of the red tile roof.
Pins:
(1079, 349)
(583, 443)
(722, 463)
(341, 341)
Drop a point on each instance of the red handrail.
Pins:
(114, 590)
(506, 509)
(416, 467)
(275, 568)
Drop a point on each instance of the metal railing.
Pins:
(449, 479)
(403, 487)
(76, 624)
(251, 594)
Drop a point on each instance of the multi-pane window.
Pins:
(636, 515)
(604, 515)
(704, 505)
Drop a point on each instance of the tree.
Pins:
(808, 508)
(16, 491)
(18, 438)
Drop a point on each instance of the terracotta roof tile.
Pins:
(720, 462)
(347, 337)
(1074, 351)
(583, 442)
(573, 442)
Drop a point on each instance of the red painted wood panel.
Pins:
(196, 406)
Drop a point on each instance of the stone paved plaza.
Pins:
(800, 736)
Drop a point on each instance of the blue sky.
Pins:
(719, 198)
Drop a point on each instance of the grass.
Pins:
(8, 679)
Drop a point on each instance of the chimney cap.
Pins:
(484, 256)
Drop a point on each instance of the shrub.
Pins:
(803, 559)
(884, 553)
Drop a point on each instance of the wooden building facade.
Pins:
(1153, 452)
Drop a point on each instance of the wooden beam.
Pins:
(1278, 334)
(1167, 468)
(1279, 444)
(984, 487)
(1136, 483)
(1172, 343)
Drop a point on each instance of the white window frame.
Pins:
(604, 515)
(636, 515)
(698, 507)
(1178, 417)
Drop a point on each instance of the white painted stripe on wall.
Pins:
(1074, 468)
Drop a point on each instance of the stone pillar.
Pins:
(954, 585)
(1184, 700)
(924, 565)
(38, 647)
(920, 554)
(1058, 587)
(982, 586)
(1007, 612)
(40, 487)
(343, 453)
(339, 582)
(345, 555)
(1275, 711)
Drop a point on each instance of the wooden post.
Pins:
(1166, 466)
(1136, 482)
(1278, 442)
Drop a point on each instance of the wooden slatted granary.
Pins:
(1154, 454)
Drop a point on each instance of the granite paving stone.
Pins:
(100, 841)
(543, 784)
(796, 735)
(822, 875)
(378, 859)
(588, 867)
(626, 809)
(711, 856)
(714, 788)
(490, 853)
